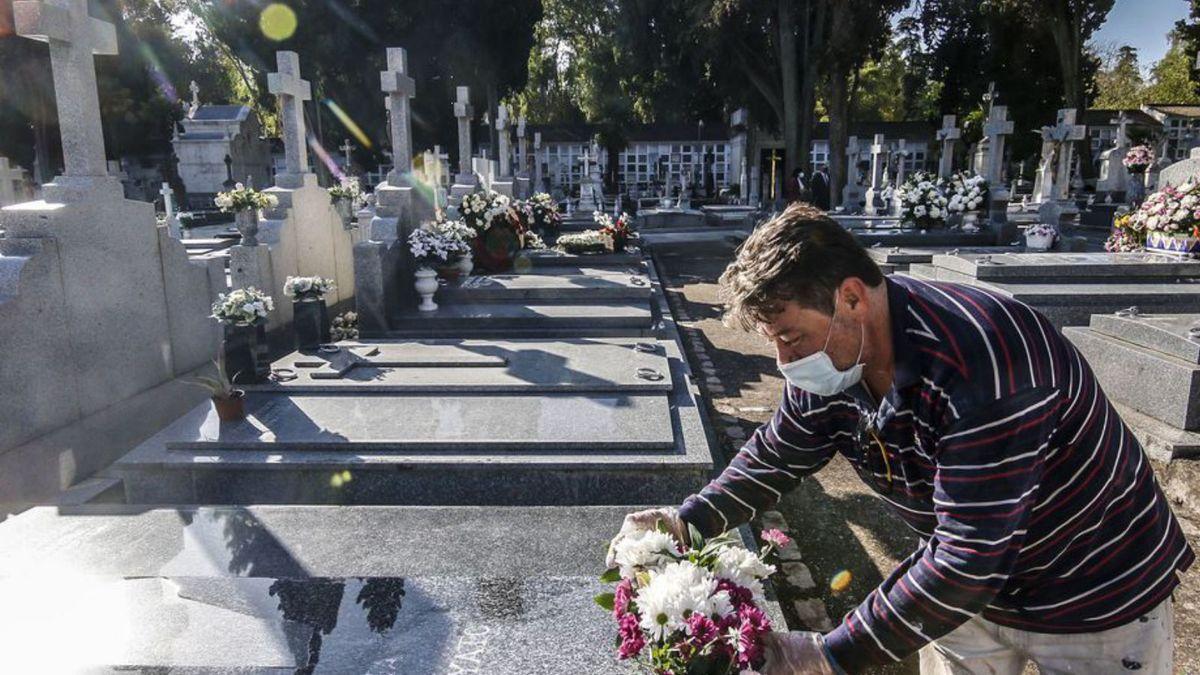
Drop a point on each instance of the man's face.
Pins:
(798, 332)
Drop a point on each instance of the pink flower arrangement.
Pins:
(1173, 210)
(1139, 158)
(696, 609)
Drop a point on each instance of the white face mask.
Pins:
(816, 373)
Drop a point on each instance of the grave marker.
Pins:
(875, 203)
(948, 135)
(292, 92)
(400, 88)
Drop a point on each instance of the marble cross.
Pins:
(168, 196)
(400, 88)
(505, 154)
(902, 154)
(74, 38)
(346, 148)
(877, 148)
(464, 113)
(1066, 132)
(292, 92)
(537, 159)
(948, 135)
(522, 147)
(1122, 122)
(996, 128)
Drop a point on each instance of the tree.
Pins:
(1171, 79)
(1119, 81)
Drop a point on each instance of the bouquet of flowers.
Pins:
(1041, 231)
(922, 201)
(455, 230)
(307, 287)
(967, 192)
(1139, 158)
(481, 210)
(618, 229)
(1125, 238)
(242, 307)
(1173, 210)
(533, 241)
(690, 609)
(344, 326)
(546, 217)
(588, 241)
(242, 198)
(432, 248)
(346, 190)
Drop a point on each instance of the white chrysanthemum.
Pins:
(674, 593)
(743, 568)
(643, 549)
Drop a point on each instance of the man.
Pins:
(1045, 536)
(820, 188)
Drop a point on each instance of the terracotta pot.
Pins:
(231, 409)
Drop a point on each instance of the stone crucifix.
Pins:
(292, 92)
(874, 199)
(346, 148)
(503, 146)
(997, 127)
(400, 88)
(1122, 122)
(464, 113)
(1067, 133)
(902, 154)
(195, 89)
(522, 148)
(74, 38)
(537, 159)
(948, 135)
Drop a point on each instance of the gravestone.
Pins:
(1068, 133)
(502, 180)
(852, 193)
(996, 130)
(11, 183)
(504, 591)
(874, 196)
(591, 197)
(1043, 183)
(948, 136)
(1114, 177)
(168, 196)
(464, 182)
(524, 191)
(292, 92)
(1182, 171)
(1069, 287)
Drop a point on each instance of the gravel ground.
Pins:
(837, 521)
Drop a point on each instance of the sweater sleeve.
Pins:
(797, 441)
(989, 468)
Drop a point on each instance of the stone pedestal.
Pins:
(377, 272)
(256, 266)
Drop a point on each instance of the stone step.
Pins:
(479, 366)
(289, 589)
(1153, 383)
(526, 288)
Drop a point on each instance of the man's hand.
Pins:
(796, 653)
(648, 520)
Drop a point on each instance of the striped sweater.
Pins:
(1035, 504)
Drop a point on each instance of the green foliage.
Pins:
(1119, 83)
(1171, 79)
(606, 600)
(611, 576)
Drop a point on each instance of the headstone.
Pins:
(522, 178)
(11, 182)
(1114, 177)
(591, 195)
(292, 92)
(347, 161)
(168, 196)
(538, 177)
(997, 128)
(1182, 171)
(852, 193)
(464, 182)
(875, 205)
(400, 88)
(1068, 133)
(948, 135)
(502, 181)
(901, 160)
(1043, 185)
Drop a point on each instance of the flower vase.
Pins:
(310, 319)
(1179, 244)
(345, 211)
(426, 284)
(247, 358)
(1039, 242)
(466, 264)
(247, 226)
(954, 221)
(1137, 188)
(495, 249)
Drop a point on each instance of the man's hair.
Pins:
(799, 255)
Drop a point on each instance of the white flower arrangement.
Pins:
(242, 307)
(344, 326)
(545, 212)
(922, 201)
(534, 241)
(588, 241)
(348, 189)
(481, 209)
(967, 192)
(307, 287)
(431, 247)
(242, 198)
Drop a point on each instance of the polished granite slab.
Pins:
(548, 286)
(505, 591)
(1051, 267)
(440, 366)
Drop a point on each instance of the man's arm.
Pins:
(795, 443)
(988, 473)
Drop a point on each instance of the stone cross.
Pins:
(195, 89)
(997, 127)
(948, 135)
(852, 191)
(874, 200)
(522, 147)
(168, 196)
(901, 155)
(504, 151)
(292, 92)
(537, 159)
(1122, 122)
(1043, 182)
(345, 147)
(463, 111)
(74, 38)
(399, 87)
(1066, 132)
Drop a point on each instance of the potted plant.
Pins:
(229, 401)
(460, 263)
(1040, 237)
(1171, 219)
(310, 317)
(499, 229)
(430, 248)
(921, 201)
(245, 203)
(618, 229)
(242, 314)
(346, 197)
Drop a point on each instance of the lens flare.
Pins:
(840, 581)
(277, 21)
(157, 72)
(349, 123)
(325, 158)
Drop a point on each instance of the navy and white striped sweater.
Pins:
(1036, 505)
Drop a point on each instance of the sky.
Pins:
(1143, 24)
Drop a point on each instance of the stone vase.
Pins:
(247, 355)
(345, 211)
(1039, 242)
(310, 318)
(247, 226)
(466, 264)
(426, 284)
(1137, 188)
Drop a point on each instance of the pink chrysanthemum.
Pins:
(776, 537)
(630, 633)
(622, 597)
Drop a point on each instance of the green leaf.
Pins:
(606, 600)
(662, 527)
(695, 536)
(611, 576)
